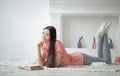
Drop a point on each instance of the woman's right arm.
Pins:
(40, 60)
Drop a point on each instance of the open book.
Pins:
(34, 67)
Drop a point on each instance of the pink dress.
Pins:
(73, 59)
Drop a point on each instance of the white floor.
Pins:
(13, 71)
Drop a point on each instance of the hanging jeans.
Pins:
(104, 54)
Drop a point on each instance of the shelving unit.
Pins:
(82, 17)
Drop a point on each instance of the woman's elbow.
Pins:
(57, 65)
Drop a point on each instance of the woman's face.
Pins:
(45, 35)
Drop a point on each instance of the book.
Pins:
(36, 67)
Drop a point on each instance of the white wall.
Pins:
(87, 26)
(21, 23)
(56, 21)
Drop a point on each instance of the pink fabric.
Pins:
(117, 59)
(73, 59)
(94, 45)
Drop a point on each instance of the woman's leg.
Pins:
(103, 52)
(106, 50)
(103, 48)
(89, 59)
(100, 35)
(100, 47)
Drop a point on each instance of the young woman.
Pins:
(51, 52)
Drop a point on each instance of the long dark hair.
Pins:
(51, 51)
